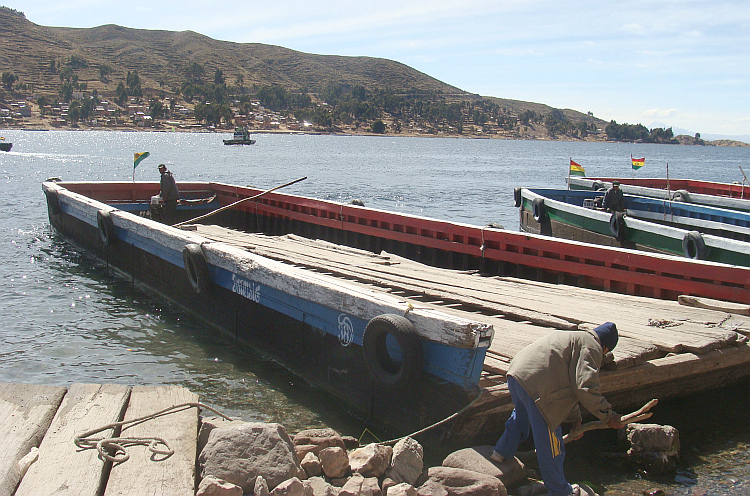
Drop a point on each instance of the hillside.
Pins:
(38, 56)
(163, 56)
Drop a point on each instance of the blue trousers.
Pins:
(550, 450)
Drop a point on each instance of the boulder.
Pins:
(350, 442)
(210, 423)
(402, 489)
(372, 460)
(290, 487)
(311, 465)
(407, 461)
(359, 485)
(334, 462)
(477, 459)
(319, 439)
(240, 453)
(652, 437)
(213, 486)
(459, 482)
(318, 486)
(260, 487)
(653, 448)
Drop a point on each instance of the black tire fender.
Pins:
(597, 186)
(106, 228)
(517, 196)
(539, 209)
(384, 370)
(196, 267)
(617, 225)
(681, 195)
(693, 246)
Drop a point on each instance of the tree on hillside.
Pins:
(195, 71)
(134, 84)
(378, 127)
(8, 79)
(121, 94)
(104, 71)
(218, 77)
(156, 109)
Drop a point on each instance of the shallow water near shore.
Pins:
(66, 318)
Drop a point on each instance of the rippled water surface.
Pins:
(66, 319)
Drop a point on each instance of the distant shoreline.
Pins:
(682, 139)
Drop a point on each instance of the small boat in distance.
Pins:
(5, 145)
(241, 137)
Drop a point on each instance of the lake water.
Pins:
(66, 319)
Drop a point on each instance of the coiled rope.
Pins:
(112, 449)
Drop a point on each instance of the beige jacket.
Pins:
(560, 370)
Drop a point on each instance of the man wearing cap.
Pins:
(547, 380)
(169, 194)
(613, 198)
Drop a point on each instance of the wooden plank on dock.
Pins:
(63, 468)
(158, 475)
(26, 412)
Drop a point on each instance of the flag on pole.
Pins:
(637, 162)
(138, 158)
(576, 169)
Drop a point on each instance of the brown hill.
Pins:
(36, 54)
(27, 50)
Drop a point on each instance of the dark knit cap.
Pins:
(607, 335)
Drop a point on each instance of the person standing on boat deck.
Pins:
(169, 194)
(547, 380)
(614, 200)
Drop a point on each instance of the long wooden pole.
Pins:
(238, 202)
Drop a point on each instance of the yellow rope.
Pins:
(117, 445)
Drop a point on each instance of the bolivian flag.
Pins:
(637, 162)
(576, 169)
(138, 158)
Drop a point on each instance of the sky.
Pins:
(669, 63)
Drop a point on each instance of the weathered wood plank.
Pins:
(158, 475)
(63, 468)
(26, 412)
(669, 326)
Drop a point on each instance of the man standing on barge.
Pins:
(169, 194)
(614, 200)
(547, 380)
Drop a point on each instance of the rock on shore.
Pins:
(237, 458)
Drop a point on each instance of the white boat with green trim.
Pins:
(575, 215)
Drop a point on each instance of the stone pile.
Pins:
(242, 458)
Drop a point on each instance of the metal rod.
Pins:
(238, 202)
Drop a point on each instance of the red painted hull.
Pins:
(459, 246)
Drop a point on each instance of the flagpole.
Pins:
(571, 161)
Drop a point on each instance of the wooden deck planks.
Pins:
(26, 412)
(50, 417)
(158, 475)
(63, 468)
(664, 325)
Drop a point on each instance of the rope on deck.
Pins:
(117, 445)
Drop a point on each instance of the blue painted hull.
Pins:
(314, 338)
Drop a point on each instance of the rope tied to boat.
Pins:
(436, 424)
(112, 449)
